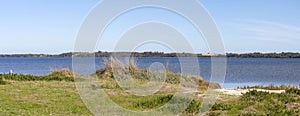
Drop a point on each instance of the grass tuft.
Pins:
(62, 73)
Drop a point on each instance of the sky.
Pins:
(51, 26)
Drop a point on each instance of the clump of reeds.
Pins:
(62, 72)
(114, 67)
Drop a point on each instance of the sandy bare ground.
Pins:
(242, 91)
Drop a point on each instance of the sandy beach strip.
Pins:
(242, 91)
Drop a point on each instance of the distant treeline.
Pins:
(265, 55)
(158, 54)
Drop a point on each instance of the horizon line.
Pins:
(28, 53)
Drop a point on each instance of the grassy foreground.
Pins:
(40, 98)
(55, 94)
(61, 98)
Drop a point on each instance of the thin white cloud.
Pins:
(269, 31)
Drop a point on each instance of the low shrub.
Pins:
(293, 91)
(62, 73)
(57, 75)
(153, 102)
(261, 103)
(2, 82)
(194, 106)
(22, 77)
(221, 106)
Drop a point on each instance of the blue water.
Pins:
(240, 71)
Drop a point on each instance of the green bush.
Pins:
(194, 106)
(2, 82)
(221, 106)
(154, 102)
(293, 91)
(255, 103)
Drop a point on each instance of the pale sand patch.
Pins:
(242, 91)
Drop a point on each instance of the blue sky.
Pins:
(51, 26)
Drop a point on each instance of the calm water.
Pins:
(240, 71)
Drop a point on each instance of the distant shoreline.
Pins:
(154, 55)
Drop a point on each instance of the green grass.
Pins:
(57, 75)
(260, 103)
(55, 94)
(44, 98)
(293, 91)
(22, 77)
(61, 98)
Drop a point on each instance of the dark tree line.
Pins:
(159, 54)
(265, 55)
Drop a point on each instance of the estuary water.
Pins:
(240, 71)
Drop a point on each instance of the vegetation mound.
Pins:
(23, 77)
(57, 75)
(116, 68)
(62, 73)
(260, 103)
(293, 91)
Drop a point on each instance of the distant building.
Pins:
(11, 72)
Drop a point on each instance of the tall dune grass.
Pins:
(114, 67)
